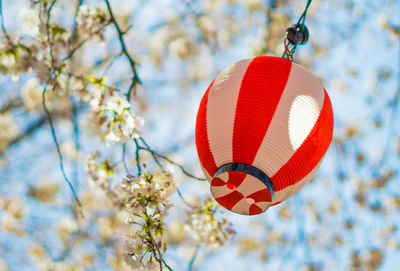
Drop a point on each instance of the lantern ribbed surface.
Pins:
(262, 129)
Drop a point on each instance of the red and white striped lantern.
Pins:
(262, 129)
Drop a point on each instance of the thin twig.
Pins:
(75, 119)
(137, 157)
(164, 171)
(53, 133)
(191, 263)
(123, 158)
(166, 265)
(108, 67)
(77, 47)
(3, 28)
(48, 33)
(174, 163)
(75, 27)
(154, 156)
(135, 78)
(52, 76)
(154, 245)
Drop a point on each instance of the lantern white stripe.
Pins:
(250, 185)
(277, 146)
(242, 207)
(304, 112)
(221, 108)
(220, 191)
(263, 204)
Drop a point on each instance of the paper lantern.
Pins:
(262, 129)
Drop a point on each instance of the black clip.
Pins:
(297, 34)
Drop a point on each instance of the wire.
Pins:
(304, 14)
(296, 34)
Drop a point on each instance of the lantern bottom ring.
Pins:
(242, 188)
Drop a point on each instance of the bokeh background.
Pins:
(347, 218)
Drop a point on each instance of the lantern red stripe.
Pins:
(262, 195)
(217, 182)
(230, 200)
(254, 210)
(310, 152)
(236, 178)
(202, 143)
(259, 96)
(250, 185)
(289, 191)
(302, 91)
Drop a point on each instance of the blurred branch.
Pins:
(52, 76)
(3, 28)
(74, 31)
(48, 33)
(29, 130)
(12, 103)
(76, 139)
(80, 45)
(268, 20)
(137, 157)
(191, 263)
(123, 158)
(53, 133)
(172, 162)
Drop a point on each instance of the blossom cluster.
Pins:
(110, 116)
(8, 129)
(18, 58)
(99, 172)
(90, 20)
(147, 193)
(206, 228)
(147, 199)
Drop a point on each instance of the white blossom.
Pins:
(110, 116)
(204, 227)
(8, 129)
(31, 94)
(98, 172)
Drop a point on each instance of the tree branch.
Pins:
(135, 78)
(32, 128)
(12, 103)
(172, 162)
(53, 133)
(3, 28)
(191, 263)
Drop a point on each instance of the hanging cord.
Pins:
(297, 34)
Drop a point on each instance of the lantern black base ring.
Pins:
(247, 169)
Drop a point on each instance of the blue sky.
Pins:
(354, 41)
